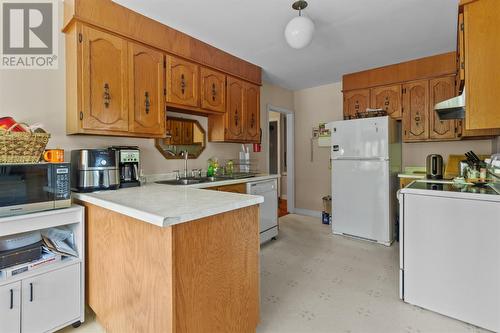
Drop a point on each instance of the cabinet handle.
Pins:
(417, 118)
(107, 96)
(11, 299)
(147, 102)
(183, 83)
(31, 292)
(252, 121)
(236, 117)
(214, 92)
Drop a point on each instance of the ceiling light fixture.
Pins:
(299, 31)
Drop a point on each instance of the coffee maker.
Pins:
(129, 159)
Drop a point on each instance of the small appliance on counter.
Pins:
(129, 166)
(29, 188)
(95, 170)
(434, 166)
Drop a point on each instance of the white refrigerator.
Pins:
(366, 158)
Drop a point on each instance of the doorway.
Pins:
(281, 156)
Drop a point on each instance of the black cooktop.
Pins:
(452, 187)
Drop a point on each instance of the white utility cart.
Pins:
(50, 297)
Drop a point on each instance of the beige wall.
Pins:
(313, 179)
(276, 96)
(414, 154)
(38, 96)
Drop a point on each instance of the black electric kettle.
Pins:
(434, 166)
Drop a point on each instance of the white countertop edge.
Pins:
(407, 175)
(456, 195)
(166, 221)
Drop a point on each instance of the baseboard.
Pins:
(308, 212)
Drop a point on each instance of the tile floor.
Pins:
(313, 281)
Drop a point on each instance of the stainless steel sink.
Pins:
(182, 181)
(190, 181)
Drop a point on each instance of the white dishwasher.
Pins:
(268, 209)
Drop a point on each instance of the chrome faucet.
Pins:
(185, 154)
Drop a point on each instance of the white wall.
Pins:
(38, 96)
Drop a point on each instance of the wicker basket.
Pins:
(22, 147)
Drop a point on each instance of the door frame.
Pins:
(290, 152)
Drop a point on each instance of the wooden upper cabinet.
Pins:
(182, 82)
(104, 80)
(213, 90)
(252, 113)
(387, 98)
(355, 101)
(416, 111)
(482, 64)
(441, 89)
(234, 129)
(147, 103)
(461, 52)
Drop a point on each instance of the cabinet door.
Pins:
(174, 128)
(461, 51)
(416, 111)
(441, 89)
(187, 133)
(252, 112)
(387, 98)
(146, 77)
(104, 78)
(182, 82)
(234, 114)
(10, 308)
(51, 299)
(482, 65)
(213, 90)
(355, 101)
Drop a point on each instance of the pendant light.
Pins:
(299, 31)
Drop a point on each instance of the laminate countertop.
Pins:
(167, 205)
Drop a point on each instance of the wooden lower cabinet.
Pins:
(441, 89)
(198, 276)
(235, 188)
(416, 111)
(387, 98)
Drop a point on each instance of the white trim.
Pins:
(308, 212)
(290, 156)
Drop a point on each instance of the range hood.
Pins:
(453, 108)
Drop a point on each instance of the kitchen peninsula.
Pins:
(173, 259)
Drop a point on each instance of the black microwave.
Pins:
(28, 188)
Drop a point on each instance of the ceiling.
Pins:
(351, 35)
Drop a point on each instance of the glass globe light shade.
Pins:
(299, 32)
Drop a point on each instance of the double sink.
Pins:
(196, 180)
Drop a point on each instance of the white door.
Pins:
(50, 300)
(362, 138)
(360, 199)
(10, 308)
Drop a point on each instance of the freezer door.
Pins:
(360, 197)
(361, 138)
